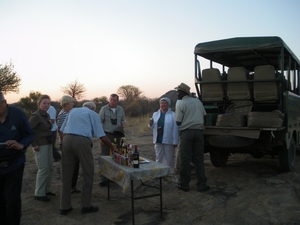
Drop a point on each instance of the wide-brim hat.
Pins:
(183, 87)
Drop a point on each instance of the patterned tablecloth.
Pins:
(122, 175)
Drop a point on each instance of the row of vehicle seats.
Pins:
(262, 91)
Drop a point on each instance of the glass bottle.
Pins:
(128, 155)
(136, 156)
(122, 147)
(111, 153)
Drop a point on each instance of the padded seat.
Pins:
(212, 92)
(265, 91)
(237, 91)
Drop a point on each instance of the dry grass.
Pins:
(139, 123)
(135, 127)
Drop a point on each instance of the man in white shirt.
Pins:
(52, 113)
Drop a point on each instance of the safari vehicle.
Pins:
(250, 90)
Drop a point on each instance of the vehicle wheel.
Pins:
(287, 157)
(218, 157)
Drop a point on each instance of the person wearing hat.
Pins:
(189, 116)
(112, 117)
(165, 133)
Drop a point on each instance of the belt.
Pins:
(81, 136)
(192, 129)
(78, 135)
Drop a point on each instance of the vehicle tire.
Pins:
(287, 157)
(218, 157)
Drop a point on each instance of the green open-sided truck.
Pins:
(250, 90)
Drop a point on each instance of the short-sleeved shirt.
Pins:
(52, 113)
(83, 122)
(190, 112)
(106, 114)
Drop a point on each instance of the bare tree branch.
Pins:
(75, 89)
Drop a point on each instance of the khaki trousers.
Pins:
(44, 162)
(76, 149)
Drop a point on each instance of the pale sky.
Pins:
(105, 44)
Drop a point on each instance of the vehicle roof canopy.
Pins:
(247, 52)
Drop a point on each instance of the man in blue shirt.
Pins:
(15, 136)
(79, 128)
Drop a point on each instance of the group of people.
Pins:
(76, 128)
(185, 125)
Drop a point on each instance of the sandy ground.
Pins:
(246, 191)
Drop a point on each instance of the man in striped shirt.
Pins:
(67, 103)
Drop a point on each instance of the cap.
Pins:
(167, 100)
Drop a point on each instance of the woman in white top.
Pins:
(165, 133)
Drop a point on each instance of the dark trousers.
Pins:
(192, 143)
(56, 154)
(10, 196)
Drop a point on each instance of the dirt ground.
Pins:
(246, 191)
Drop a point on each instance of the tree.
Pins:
(9, 80)
(129, 92)
(102, 100)
(133, 102)
(75, 89)
(29, 104)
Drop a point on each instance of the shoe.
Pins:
(50, 193)
(207, 188)
(65, 211)
(183, 188)
(103, 183)
(42, 198)
(90, 209)
(75, 190)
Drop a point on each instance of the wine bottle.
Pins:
(122, 147)
(136, 156)
(117, 145)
